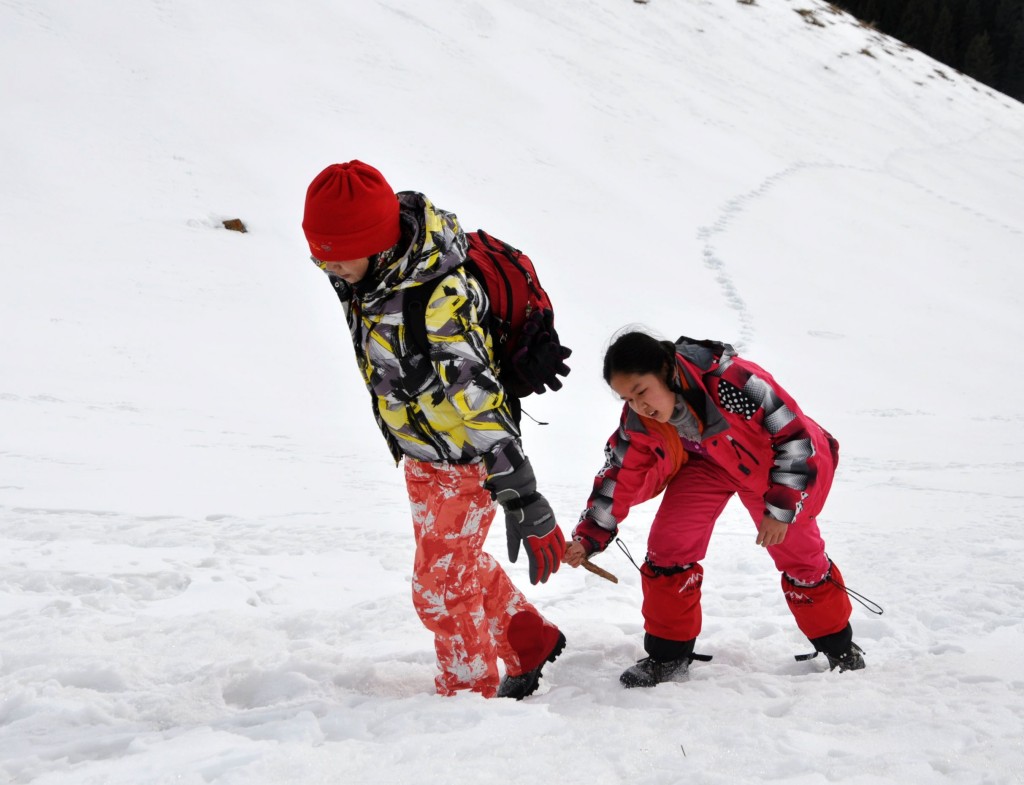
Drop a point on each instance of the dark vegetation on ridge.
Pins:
(981, 38)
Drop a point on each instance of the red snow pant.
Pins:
(694, 499)
(462, 594)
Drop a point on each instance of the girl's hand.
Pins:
(575, 553)
(771, 531)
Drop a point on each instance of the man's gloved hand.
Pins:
(535, 525)
(530, 520)
(540, 359)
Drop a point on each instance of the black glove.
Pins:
(528, 519)
(540, 359)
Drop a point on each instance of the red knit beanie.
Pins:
(351, 213)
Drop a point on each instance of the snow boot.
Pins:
(648, 672)
(850, 660)
(666, 660)
(524, 684)
(840, 650)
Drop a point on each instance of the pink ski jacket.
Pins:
(752, 428)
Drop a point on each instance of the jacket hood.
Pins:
(705, 354)
(432, 244)
(694, 360)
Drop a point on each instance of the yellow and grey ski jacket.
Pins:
(448, 407)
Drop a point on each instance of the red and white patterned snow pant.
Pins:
(694, 499)
(461, 593)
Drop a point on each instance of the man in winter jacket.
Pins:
(703, 425)
(448, 418)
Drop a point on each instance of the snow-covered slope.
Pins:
(204, 547)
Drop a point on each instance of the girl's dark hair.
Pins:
(639, 353)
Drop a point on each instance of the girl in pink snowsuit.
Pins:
(702, 424)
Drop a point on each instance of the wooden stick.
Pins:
(598, 571)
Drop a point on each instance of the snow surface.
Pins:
(204, 547)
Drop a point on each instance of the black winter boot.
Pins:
(648, 672)
(668, 661)
(840, 650)
(518, 687)
(850, 660)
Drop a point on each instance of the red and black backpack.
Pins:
(527, 352)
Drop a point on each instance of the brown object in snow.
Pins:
(598, 571)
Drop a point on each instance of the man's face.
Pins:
(352, 271)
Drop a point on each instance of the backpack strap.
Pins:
(414, 317)
(414, 310)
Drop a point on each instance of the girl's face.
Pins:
(646, 393)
